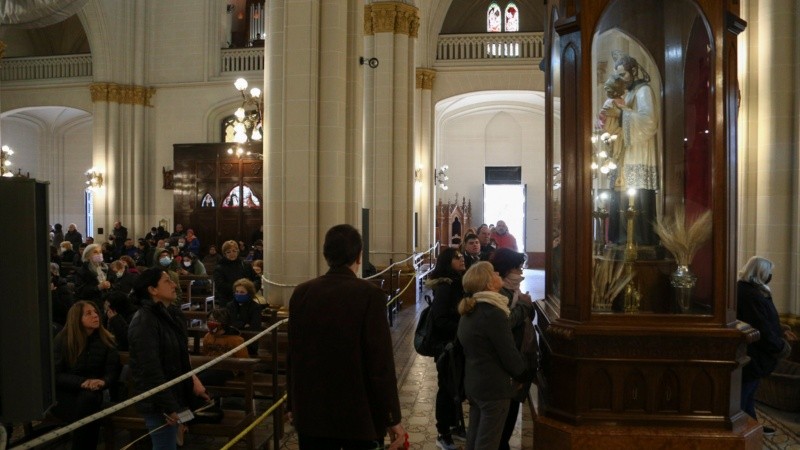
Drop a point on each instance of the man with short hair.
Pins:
(342, 386)
(472, 250)
(485, 236)
(503, 238)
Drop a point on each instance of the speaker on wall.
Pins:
(26, 378)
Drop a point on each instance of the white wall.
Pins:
(494, 128)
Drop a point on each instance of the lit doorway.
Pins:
(506, 202)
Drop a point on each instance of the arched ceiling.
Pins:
(469, 16)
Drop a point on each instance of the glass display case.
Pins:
(638, 322)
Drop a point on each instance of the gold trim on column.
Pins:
(425, 78)
(391, 17)
(121, 93)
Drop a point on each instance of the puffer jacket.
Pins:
(158, 353)
(447, 293)
(226, 273)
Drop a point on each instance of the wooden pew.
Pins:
(233, 422)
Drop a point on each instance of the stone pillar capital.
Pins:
(391, 17)
(425, 78)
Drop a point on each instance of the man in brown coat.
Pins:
(341, 378)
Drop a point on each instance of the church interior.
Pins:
(602, 132)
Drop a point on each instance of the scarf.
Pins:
(512, 282)
(495, 299)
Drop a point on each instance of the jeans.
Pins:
(486, 421)
(307, 442)
(749, 397)
(511, 422)
(165, 438)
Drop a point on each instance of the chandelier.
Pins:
(249, 117)
(5, 162)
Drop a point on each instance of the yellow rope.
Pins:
(255, 423)
(392, 300)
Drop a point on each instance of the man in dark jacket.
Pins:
(340, 353)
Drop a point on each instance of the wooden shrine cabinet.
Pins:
(640, 343)
(217, 194)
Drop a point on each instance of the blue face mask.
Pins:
(241, 298)
(165, 261)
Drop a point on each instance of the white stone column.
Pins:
(424, 161)
(309, 173)
(119, 154)
(769, 169)
(389, 29)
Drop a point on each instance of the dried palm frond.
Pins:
(608, 280)
(682, 241)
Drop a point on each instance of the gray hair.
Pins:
(757, 270)
(88, 251)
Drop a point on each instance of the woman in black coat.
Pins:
(158, 353)
(244, 312)
(445, 282)
(86, 364)
(91, 279)
(230, 268)
(754, 306)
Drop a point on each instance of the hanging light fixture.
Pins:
(249, 116)
(5, 162)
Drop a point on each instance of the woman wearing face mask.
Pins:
(91, 279)
(245, 313)
(190, 265)
(508, 264)
(230, 268)
(221, 338)
(754, 306)
(165, 261)
(121, 279)
(492, 360)
(192, 242)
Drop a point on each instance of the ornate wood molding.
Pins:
(391, 17)
(121, 93)
(425, 78)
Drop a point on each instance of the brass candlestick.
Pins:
(600, 215)
(632, 294)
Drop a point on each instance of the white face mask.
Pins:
(97, 259)
(187, 264)
(120, 274)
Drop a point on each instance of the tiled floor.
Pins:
(417, 379)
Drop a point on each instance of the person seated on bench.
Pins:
(86, 364)
(244, 312)
(220, 339)
(158, 353)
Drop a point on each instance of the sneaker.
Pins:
(769, 431)
(459, 433)
(445, 442)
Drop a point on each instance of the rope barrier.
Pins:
(414, 255)
(255, 423)
(393, 299)
(112, 409)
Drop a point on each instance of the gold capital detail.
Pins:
(391, 17)
(121, 93)
(425, 78)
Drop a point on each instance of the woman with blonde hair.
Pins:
(86, 364)
(230, 268)
(492, 360)
(244, 311)
(91, 279)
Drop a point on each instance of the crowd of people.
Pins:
(124, 297)
(477, 300)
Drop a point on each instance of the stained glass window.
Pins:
(208, 201)
(494, 19)
(512, 17)
(248, 199)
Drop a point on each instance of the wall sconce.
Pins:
(418, 175)
(440, 177)
(5, 162)
(94, 179)
(240, 153)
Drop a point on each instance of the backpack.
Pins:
(424, 342)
